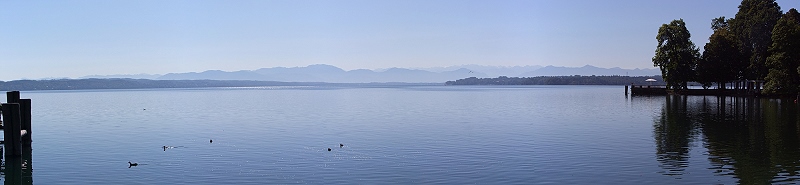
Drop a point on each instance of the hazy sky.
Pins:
(40, 39)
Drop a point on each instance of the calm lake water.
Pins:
(408, 135)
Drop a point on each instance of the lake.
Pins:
(408, 135)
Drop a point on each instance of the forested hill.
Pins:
(123, 83)
(560, 80)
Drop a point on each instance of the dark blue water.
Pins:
(409, 135)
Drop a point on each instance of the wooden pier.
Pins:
(743, 88)
(648, 89)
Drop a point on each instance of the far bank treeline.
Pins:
(761, 43)
(559, 80)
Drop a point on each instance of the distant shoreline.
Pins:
(560, 80)
(127, 83)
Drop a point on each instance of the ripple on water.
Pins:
(430, 135)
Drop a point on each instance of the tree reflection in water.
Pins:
(754, 140)
(674, 130)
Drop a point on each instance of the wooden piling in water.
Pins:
(12, 97)
(626, 89)
(16, 124)
(11, 129)
(13, 171)
(25, 116)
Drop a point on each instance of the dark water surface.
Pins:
(409, 135)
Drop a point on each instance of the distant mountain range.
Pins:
(490, 71)
(136, 76)
(589, 70)
(333, 74)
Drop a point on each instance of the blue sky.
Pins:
(41, 39)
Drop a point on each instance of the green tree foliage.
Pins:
(783, 77)
(706, 74)
(753, 26)
(676, 55)
(719, 23)
(722, 60)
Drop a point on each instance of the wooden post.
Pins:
(13, 171)
(27, 165)
(18, 170)
(11, 129)
(25, 115)
(626, 89)
(12, 97)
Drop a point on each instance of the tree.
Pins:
(722, 59)
(753, 26)
(706, 73)
(784, 60)
(719, 23)
(676, 55)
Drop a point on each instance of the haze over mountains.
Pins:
(333, 74)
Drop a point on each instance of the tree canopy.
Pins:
(722, 60)
(676, 55)
(753, 26)
(760, 43)
(784, 77)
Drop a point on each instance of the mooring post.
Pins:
(12, 97)
(626, 89)
(27, 167)
(25, 115)
(11, 129)
(13, 171)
